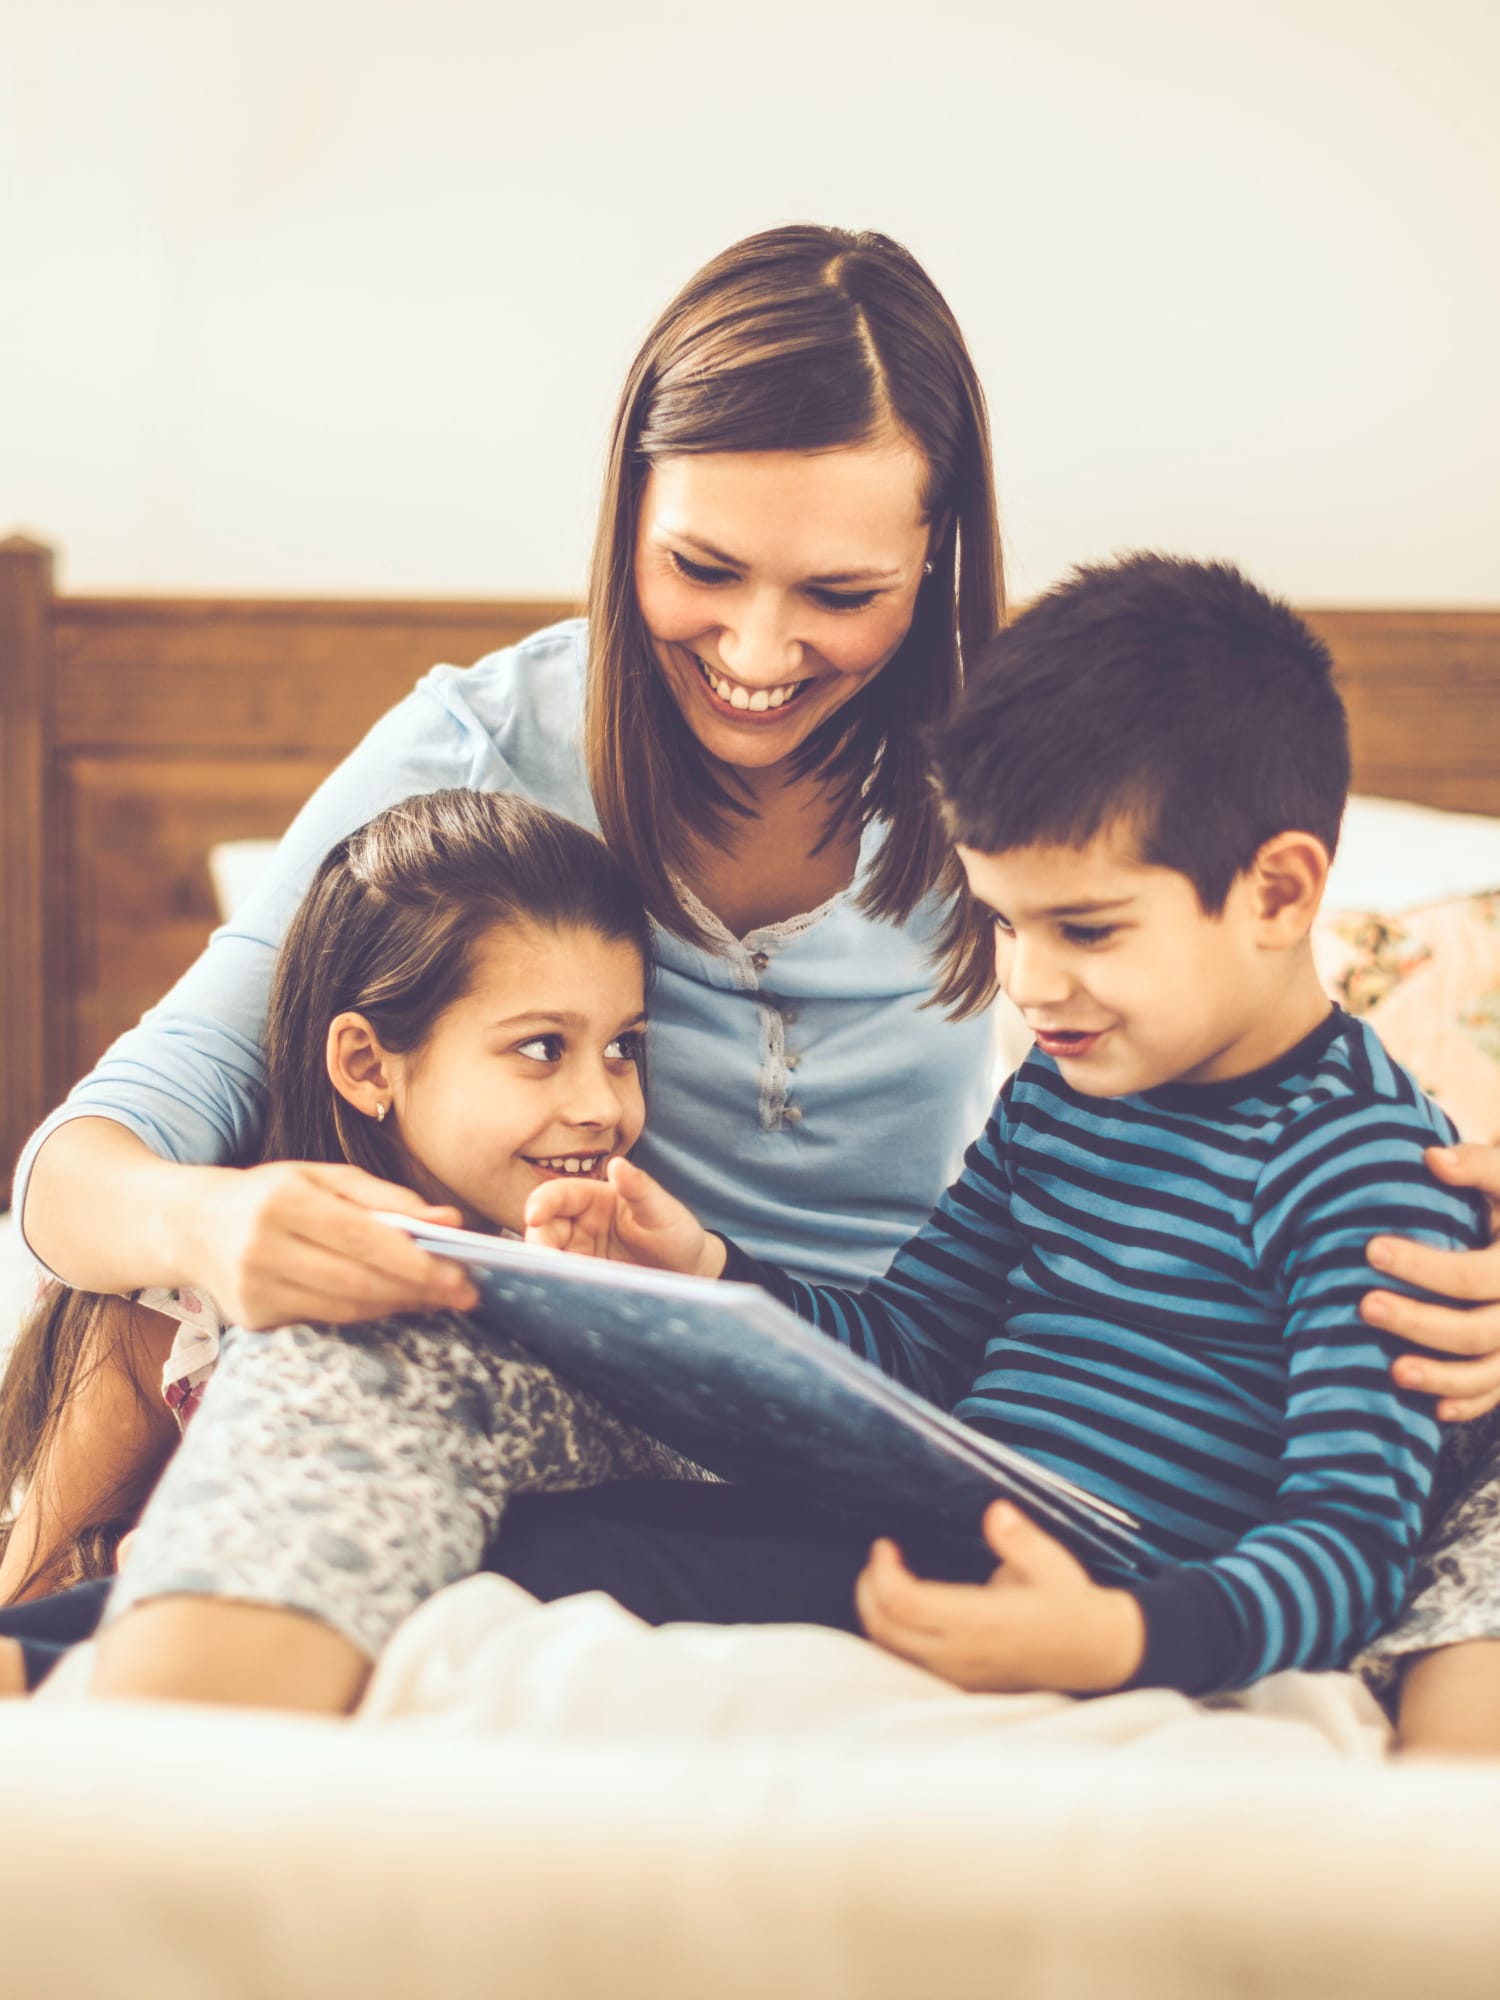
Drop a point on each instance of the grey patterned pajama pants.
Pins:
(1454, 1593)
(351, 1476)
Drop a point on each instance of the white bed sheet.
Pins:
(556, 1801)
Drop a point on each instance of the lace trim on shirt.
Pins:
(764, 934)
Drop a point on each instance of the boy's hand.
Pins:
(626, 1217)
(1041, 1622)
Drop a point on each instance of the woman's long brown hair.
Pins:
(388, 930)
(802, 339)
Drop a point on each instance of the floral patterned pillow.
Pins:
(1428, 982)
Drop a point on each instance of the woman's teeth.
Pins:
(571, 1163)
(741, 697)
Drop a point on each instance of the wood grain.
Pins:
(29, 971)
(255, 675)
(1423, 693)
(140, 904)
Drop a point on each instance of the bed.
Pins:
(554, 1801)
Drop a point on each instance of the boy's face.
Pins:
(1121, 975)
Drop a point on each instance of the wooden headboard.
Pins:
(137, 732)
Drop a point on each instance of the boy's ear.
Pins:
(1287, 879)
(358, 1067)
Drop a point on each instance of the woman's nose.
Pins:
(757, 643)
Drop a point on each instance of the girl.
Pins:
(459, 1007)
(797, 546)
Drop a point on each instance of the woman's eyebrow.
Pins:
(833, 576)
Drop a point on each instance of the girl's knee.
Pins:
(206, 1649)
(1450, 1702)
(12, 1668)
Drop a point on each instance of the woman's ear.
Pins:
(937, 532)
(359, 1069)
(1287, 879)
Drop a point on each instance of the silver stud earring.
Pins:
(927, 569)
(380, 1111)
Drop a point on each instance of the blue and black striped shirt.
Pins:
(1157, 1297)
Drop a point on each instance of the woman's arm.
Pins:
(272, 1244)
(1471, 1327)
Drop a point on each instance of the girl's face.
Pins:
(775, 585)
(535, 1072)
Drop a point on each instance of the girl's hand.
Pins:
(1041, 1622)
(626, 1217)
(1467, 1388)
(294, 1241)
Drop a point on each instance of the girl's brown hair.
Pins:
(802, 339)
(388, 929)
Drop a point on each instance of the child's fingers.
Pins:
(903, 1600)
(1028, 1553)
(563, 1199)
(647, 1201)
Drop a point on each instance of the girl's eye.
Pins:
(841, 600)
(1003, 926)
(1087, 934)
(626, 1048)
(542, 1048)
(696, 572)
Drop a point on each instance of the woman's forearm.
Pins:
(287, 1240)
(106, 1214)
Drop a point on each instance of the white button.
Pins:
(759, 960)
(789, 1016)
(792, 1061)
(791, 1115)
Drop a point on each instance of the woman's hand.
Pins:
(1041, 1622)
(294, 1241)
(1467, 1388)
(628, 1218)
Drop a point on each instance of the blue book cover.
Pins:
(727, 1375)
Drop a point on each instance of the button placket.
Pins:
(776, 1114)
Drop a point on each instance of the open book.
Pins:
(725, 1374)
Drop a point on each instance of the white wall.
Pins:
(315, 295)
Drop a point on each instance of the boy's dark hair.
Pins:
(1174, 695)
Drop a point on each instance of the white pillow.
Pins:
(1394, 856)
(234, 868)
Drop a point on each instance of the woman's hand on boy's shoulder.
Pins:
(1039, 1623)
(628, 1218)
(1470, 1327)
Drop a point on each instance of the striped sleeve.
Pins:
(1310, 1586)
(927, 1320)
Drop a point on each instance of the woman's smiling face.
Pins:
(775, 585)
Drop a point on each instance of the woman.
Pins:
(797, 544)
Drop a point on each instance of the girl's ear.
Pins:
(1287, 878)
(359, 1069)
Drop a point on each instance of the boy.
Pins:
(1148, 1275)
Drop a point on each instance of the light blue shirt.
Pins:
(802, 1099)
